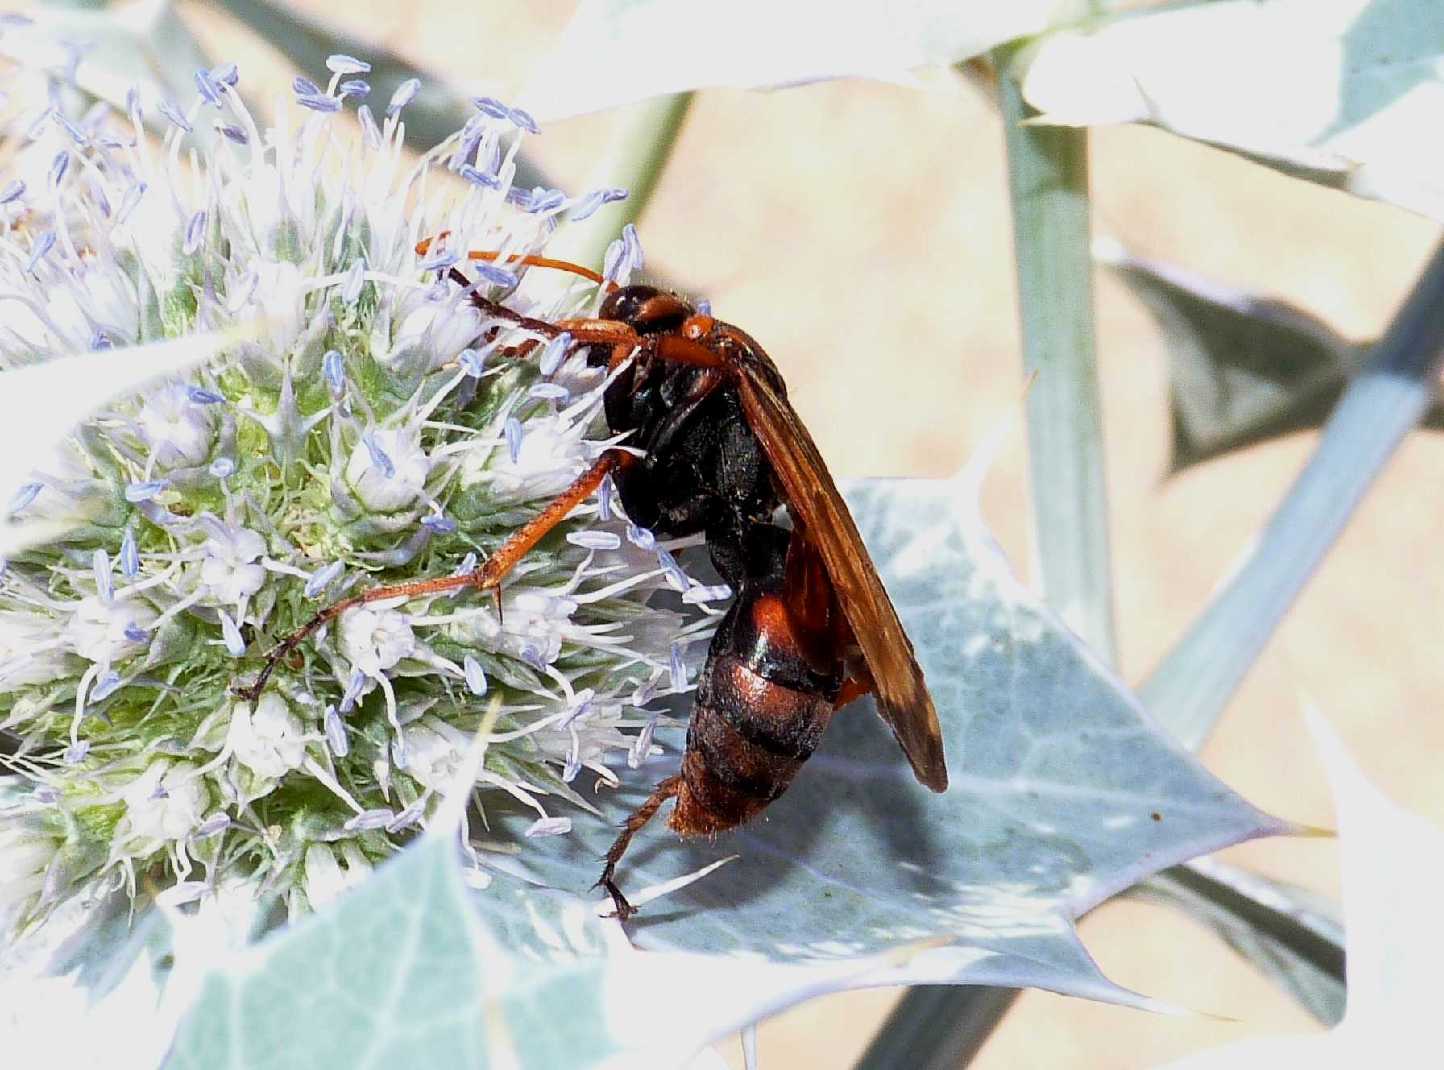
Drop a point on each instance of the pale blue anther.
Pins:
(175, 116)
(369, 130)
(129, 555)
(226, 74)
(233, 133)
(342, 64)
(592, 202)
(437, 259)
(324, 104)
(547, 200)
(304, 87)
(212, 825)
(404, 94)
(490, 106)
(231, 635)
(58, 166)
(323, 577)
(100, 569)
(700, 593)
(478, 177)
(13, 191)
(633, 246)
(353, 691)
(472, 362)
(554, 353)
(378, 456)
(475, 677)
(77, 135)
(144, 492)
(678, 667)
(355, 280)
(23, 497)
(135, 633)
(495, 275)
(222, 468)
(370, 819)
(354, 87)
(408, 817)
(336, 733)
(129, 201)
(36, 129)
(195, 232)
(40, 250)
(641, 538)
(523, 119)
(513, 433)
(106, 686)
(595, 540)
(333, 367)
(438, 524)
(209, 89)
(604, 500)
(133, 107)
(76, 752)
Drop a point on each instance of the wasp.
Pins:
(722, 453)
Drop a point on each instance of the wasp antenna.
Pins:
(527, 260)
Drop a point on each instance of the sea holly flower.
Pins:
(374, 426)
(268, 739)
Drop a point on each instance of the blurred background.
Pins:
(861, 233)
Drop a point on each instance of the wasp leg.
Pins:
(583, 331)
(667, 789)
(488, 577)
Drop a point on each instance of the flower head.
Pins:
(376, 426)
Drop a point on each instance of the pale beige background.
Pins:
(860, 232)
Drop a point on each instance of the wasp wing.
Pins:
(812, 496)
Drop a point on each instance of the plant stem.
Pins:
(637, 155)
(1048, 182)
(938, 1026)
(1191, 686)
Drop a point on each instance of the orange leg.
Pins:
(487, 577)
(618, 335)
(667, 789)
(528, 261)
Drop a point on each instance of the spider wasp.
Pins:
(811, 627)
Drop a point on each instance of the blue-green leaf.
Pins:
(1242, 367)
(757, 43)
(1337, 91)
(1063, 792)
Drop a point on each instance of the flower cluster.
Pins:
(374, 426)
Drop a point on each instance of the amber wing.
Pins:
(902, 695)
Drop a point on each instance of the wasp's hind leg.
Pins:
(667, 789)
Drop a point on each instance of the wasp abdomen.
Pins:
(747, 739)
(764, 699)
